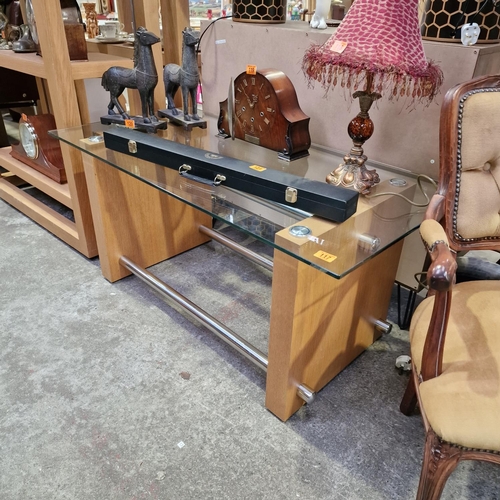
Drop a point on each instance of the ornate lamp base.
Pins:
(353, 172)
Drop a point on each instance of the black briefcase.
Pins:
(319, 198)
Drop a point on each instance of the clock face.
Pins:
(255, 105)
(29, 140)
(263, 109)
(37, 149)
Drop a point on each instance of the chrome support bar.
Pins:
(236, 247)
(306, 393)
(382, 326)
(223, 332)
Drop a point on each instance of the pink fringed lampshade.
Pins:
(377, 47)
(380, 39)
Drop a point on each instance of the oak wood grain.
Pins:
(135, 220)
(320, 324)
(59, 192)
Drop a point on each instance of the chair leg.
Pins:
(409, 401)
(440, 460)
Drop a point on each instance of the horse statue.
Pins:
(186, 76)
(143, 77)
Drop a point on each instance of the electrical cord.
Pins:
(203, 32)
(485, 3)
(420, 177)
(460, 20)
(474, 14)
(421, 279)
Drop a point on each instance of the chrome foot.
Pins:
(382, 326)
(306, 393)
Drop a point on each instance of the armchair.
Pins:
(455, 331)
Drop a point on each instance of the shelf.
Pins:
(39, 212)
(33, 208)
(112, 49)
(59, 192)
(67, 100)
(97, 64)
(32, 64)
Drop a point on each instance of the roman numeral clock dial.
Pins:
(254, 107)
(267, 113)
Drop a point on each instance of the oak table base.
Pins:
(318, 324)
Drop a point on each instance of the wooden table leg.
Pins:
(320, 324)
(136, 220)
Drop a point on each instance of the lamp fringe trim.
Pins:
(332, 69)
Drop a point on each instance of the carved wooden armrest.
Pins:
(441, 272)
(440, 278)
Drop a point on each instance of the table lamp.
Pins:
(376, 47)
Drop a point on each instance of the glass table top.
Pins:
(334, 248)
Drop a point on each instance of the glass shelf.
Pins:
(333, 248)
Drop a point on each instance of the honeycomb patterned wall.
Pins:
(442, 16)
(259, 11)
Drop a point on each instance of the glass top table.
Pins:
(145, 213)
(334, 248)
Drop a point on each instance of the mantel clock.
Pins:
(263, 109)
(37, 149)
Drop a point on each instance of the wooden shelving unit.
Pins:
(59, 192)
(64, 82)
(31, 64)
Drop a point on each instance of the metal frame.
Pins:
(257, 357)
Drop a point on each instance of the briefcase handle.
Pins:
(184, 171)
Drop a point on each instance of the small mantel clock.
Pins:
(37, 149)
(265, 111)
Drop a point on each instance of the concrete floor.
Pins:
(108, 393)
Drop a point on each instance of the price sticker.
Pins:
(258, 168)
(328, 257)
(338, 46)
(130, 123)
(251, 69)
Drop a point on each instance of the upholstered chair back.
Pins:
(471, 174)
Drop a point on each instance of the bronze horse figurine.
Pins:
(142, 77)
(185, 76)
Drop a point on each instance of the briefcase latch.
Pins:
(184, 168)
(132, 146)
(219, 178)
(291, 195)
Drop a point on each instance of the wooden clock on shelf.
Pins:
(262, 108)
(37, 149)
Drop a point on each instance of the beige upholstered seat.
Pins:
(455, 332)
(462, 405)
